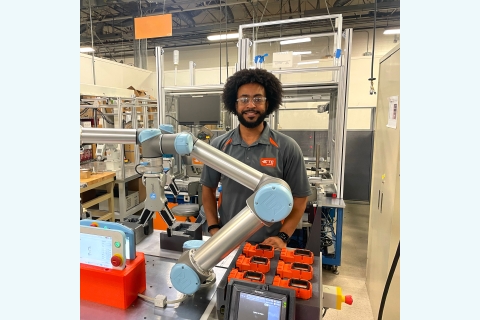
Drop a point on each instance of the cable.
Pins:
(326, 241)
(324, 311)
(167, 115)
(326, 5)
(140, 173)
(162, 298)
(264, 7)
(104, 117)
(389, 280)
(178, 300)
(144, 297)
(211, 280)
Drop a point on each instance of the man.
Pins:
(253, 94)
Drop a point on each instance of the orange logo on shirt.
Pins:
(268, 162)
(196, 161)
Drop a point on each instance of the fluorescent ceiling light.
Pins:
(223, 36)
(301, 52)
(392, 31)
(88, 49)
(308, 62)
(298, 40)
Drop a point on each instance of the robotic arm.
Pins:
(271, 201)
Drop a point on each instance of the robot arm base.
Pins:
(186, 276)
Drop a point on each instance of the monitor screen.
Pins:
(95, 250)
(247, 302)
(199, 110)
(251, 306)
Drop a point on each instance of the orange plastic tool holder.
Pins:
(116, 288)
(297, 255)
(259, 264)
(303, 288)
(295, 270)
(261, 250)
(252, 276)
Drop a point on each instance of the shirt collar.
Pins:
(263, 139)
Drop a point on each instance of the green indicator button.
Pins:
(117, 244)
(284, 304)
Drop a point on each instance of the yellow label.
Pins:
(340, 298)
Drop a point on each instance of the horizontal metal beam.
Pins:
(197, 35)
(212, 6)
(353, 9)
(307, 13)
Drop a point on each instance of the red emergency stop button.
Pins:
(348, 300)
(116, 260)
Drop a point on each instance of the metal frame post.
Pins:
(191, 67)
(159, 59)
(342, 116)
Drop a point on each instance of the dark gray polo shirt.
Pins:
(275, 154)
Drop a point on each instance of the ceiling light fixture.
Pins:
(301, 52)
(216, 37)
(298, 40)
(308, 62)
(87, 49)
(392, 31)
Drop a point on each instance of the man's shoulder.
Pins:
(282, 139)
(222, 139)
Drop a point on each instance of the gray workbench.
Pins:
(158, 265)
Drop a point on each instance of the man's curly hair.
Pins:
(273, 88)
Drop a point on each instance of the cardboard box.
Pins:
(88, 113)
(138, 93)
(137, 185)
(132, 201)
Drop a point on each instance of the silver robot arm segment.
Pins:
(271, 201)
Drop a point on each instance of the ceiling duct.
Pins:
(228, 15)
(186, 17)
(99, 3)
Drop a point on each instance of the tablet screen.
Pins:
(251, 306)
(95, 250)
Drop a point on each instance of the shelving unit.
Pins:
(101, 181)
(123, 112)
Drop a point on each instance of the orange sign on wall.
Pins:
(153, 26)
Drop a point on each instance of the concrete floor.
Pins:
(352, 272)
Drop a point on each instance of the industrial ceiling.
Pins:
(109, 23)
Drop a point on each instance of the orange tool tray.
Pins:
(295, 270)
(116, 288)
(303, 288)
(261, 250)
(255, 263)
(247, 275)
(297, 255)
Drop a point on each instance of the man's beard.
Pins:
(250, 124)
